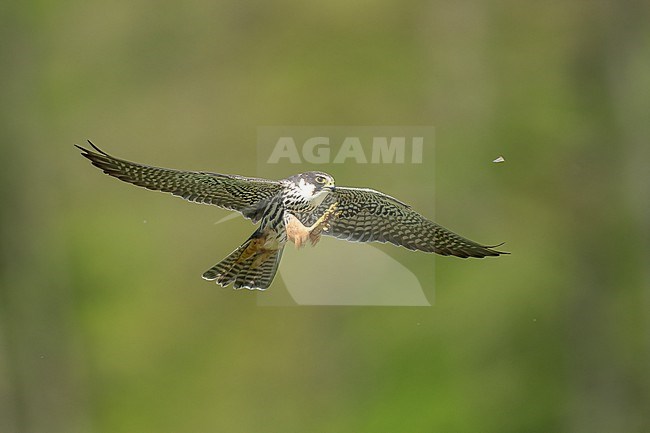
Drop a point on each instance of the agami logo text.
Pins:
(373, 150)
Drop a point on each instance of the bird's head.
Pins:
(313, 185)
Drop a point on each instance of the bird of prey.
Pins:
(297, 209)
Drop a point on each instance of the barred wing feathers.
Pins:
(366, 215)
(246, 195)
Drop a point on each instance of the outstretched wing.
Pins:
(242, 194)
(366, 215)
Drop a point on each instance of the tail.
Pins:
(250, 266)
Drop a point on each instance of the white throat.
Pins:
(307, 192)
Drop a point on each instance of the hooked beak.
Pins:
(331, 188)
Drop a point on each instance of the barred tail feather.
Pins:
(251, 271)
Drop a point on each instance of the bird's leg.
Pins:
(251, 249)
(296, 230)
(299, 234)
(268, 247)
(322, 224)
(260, 248)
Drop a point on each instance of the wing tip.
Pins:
(475, 251)
(89, 152)
(489, 251)
(498, 253)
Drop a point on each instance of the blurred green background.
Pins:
(106, 325)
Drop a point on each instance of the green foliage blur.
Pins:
(106, 325)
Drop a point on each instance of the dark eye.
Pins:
(320, 179)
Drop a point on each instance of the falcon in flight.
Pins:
(297, 209)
